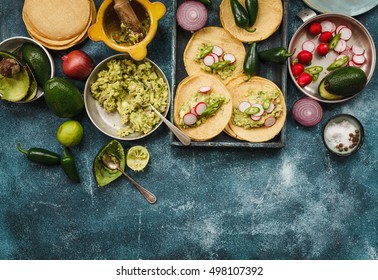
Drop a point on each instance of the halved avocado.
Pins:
(103, 174)
(14, 88)
(33, 88)
(326, 94)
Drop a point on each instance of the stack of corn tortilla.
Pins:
(58, 24)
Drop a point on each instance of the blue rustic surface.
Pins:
(297, 202)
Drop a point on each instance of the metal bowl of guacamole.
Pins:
(117, 95)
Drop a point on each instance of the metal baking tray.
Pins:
(273, 72)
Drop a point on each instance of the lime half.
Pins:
(137, 158)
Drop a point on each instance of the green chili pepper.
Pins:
(69, 166)
(252, 110)
(40, 155)
(252, 7)
(205, 51)
(338, 63)
(332, 44)
(315, 77)
(313, 70)
(212, 108)
(220, 65)
(275, 55)
(251, 61)
(206, 2)
(240, 15)
(266, 104)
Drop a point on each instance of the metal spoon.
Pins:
(113, 163)
(185, 139)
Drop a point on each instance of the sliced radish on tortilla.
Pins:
(193, 111)
(229, 57)
(200, 108)
(217, 50)
(271, 108)
(209, 60)
(216, 57)
(255, 118)
(261, 109)
(244, 105)
(190, 119)
(270, 121)
(205, 89)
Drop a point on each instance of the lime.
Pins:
(70, 133)
(137, 158)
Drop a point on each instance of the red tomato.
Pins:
(304, 79)
(315, 29)
(325, 37)
(304, 57)
(322, 49)
(297, 69)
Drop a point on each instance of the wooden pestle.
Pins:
(127, 15)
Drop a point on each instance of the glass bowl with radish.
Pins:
(323, 45)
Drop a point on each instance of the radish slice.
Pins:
(190, 119)
(351, 63)
(358, 59)
(216, 57)
(327, 25)
(337, 31)
(270, 121)
(308, 46)
(271, 108)
(346, 33)
(209, 60)
(204, 89)
(193, 111)
(348, 52)
(243, 106)
(341, 46)
(307, 111)
(200, 108)
(357, 50)
(229, 57)
(217, 50)
(255, 118)
(260, 108)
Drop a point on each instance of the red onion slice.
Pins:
(307, 111)
(191, 15)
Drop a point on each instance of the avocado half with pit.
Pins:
(14, 86)
(342, 83)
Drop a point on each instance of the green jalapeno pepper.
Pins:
(276, 55)
(220, 65)
(252, 7)
(313, 70)
(332, 44)
(206, 2)
(40, 155)
(251, 61)
(338, 63)
(69, 166)
(212, 108)
(240, 15)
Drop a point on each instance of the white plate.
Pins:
(346, 7)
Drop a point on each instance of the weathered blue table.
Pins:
(297, 202)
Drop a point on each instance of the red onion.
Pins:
(307, 111)
(77, 65)
(191, 15)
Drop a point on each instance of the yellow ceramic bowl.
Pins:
(107, 22)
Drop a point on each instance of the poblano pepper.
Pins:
(251, 61)
(240, 15)
(252, 7)
(40, 155)
(69, 166)
(276, 55)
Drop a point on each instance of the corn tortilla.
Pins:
(214, 36)
(268, 20)
(213, 125)
(237, 88)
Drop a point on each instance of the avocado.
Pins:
(63, 98)
(14, 86)
(38, 62)
(33, 88)
(343, 82)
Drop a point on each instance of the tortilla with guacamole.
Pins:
(259, 109)
(202, 107)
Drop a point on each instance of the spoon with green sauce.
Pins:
(113, 163)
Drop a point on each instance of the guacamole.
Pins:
(213, 102)
(128, 88)
(260, 101)
(223, 68)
